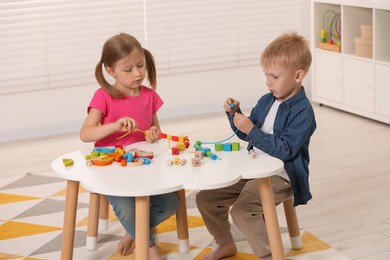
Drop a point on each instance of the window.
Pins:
(56, 44)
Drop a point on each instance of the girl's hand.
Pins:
(243, 123)
(125, 124)
(231, 106)
(152, 134)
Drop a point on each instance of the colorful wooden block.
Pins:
(235, 146)
(175, 151)
(218, 147)
(196, 162)
(227, 147)
(198, 154)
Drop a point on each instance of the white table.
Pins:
(158, 178)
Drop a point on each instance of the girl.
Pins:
(127, 105)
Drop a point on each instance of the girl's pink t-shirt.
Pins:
(141, 108)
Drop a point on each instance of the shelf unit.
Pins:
(341, 79)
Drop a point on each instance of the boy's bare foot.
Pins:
(222, 251)
(125, 246)
(154, 254)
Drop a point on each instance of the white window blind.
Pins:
(48, 44)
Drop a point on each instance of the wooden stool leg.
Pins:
(292, 224)
(182, 223)
(93, 221)
(103, 212)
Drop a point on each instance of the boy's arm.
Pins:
(285, 146)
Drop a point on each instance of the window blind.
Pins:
(48, 44)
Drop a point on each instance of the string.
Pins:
(224, 140)
(139, 130)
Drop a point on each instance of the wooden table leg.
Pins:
(271, 219)
(182, 223)
(72, 193)
(93, 221)
(103, 212)
(142, 218)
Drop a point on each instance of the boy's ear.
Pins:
(299, 75)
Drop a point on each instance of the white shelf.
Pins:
(347, 78)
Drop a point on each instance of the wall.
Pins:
(49, 112)
(56, 111)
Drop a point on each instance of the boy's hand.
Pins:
(231, 106)
(243, 123)
(125, 124)
(152, 134)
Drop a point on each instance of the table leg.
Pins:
(93, 221)
(72, 193)
(182, 223)
(142, 218)
(103, 212)
(271, 219)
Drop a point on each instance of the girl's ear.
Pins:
(110, 71)
(299, 75)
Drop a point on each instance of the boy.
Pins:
(280, 125)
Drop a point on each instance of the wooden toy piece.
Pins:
(182, 162)
(205, 150)
(123, 162)
(116, 156)
(129, 156)
(196, 162)
(235, 146)
(170, 162)
(103, 162)
(104, 150)
(147, 161)
(181, 146)
(186, 143)
(88, 163)
(218, 147)
(176, 161)
(198, 154)
(163, 136)
(67, 162)
(175, 151)
(227, 147)
(144, 154)
(252, 154)
(136, 163)
(191, 150)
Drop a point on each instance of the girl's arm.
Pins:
(92, 130)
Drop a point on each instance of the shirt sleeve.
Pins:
(99, 101)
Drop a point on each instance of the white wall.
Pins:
(49, 112)
(40, 113)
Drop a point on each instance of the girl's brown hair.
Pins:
(289, 50)
(116, 48)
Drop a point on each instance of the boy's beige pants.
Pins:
(246, 210)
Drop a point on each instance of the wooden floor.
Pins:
(350, 175)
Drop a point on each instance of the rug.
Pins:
(31, 220)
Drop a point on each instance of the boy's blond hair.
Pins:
(290, 51)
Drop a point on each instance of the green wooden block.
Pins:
(219, 147)
(235, 146)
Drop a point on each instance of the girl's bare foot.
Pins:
(225, 250)
(154, 254)
(125, 246)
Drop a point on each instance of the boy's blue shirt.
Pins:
(294, 125)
